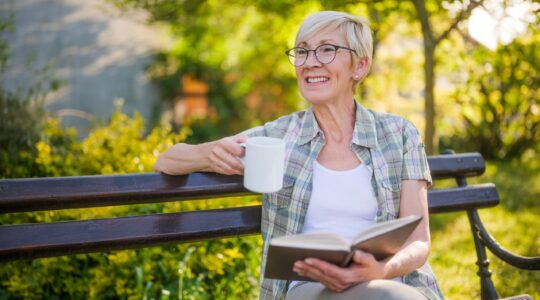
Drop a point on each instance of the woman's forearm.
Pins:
(184, 158)
(219, 156)
(416, 250)
(408, 259)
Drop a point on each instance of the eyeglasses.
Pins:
(324, 54)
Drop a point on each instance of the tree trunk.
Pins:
(429, 104)
(429, 73)
(430, 42)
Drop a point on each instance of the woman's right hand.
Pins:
(223, 155)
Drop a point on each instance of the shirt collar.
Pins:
(365, 129)
(310, 128)
(365, 132)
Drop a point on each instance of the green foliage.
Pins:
(219, 269)
(222, 269)
(22, 123)
(500, 102)
(36, 145)
(237, 48)
(5, 25)
(513, 223)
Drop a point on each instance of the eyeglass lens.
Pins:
(325, 54)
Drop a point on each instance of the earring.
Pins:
(355, 77)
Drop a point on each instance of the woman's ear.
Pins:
(361, 68)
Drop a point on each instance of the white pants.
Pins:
(375, 289)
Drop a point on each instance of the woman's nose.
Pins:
(312, 60)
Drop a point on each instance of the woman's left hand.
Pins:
(363, 268)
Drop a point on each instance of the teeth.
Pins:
(316, 79)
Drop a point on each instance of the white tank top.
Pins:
(342, 202)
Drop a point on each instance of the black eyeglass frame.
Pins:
(336, 48)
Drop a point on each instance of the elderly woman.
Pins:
(346, 168)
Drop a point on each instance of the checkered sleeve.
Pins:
(277, 128)
(255, 131)
(415, 165)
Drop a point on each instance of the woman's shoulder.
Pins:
(280, 126)
(288, 122)
(391, 122)
(392, 128)
(295, 117)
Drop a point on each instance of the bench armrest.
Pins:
(518, 261)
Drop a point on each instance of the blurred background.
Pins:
(103, 86)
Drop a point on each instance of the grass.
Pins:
(514, 224)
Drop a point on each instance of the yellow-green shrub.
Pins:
(217, 269)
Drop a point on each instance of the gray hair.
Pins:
(356, 30)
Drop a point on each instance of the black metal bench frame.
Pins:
(28, 241)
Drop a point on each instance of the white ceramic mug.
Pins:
(264, 164)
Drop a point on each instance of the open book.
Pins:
(381, 239)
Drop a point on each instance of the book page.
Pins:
(314, 240)
(384, 227)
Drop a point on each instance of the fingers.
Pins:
(227, 162)
(224, 156)
(239, 138)
(364, 267)
(367, 267)
(232, 145)
(363, 258)
(333, 277)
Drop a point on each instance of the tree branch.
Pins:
(469, 39)
(464, 14)
(423, 17)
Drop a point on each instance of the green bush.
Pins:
(218, 269)
(499, 103)
(22, 122)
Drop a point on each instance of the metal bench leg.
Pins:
(487, 289)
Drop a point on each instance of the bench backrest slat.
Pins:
(463, 198)
(456, 165)
(62, 238)
(34, 194)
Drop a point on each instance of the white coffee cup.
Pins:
(264, 164)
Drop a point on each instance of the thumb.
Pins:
(361, 257)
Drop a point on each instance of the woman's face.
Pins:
(324, 83)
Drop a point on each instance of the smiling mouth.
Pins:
(316, 79)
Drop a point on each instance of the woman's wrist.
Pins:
(205, 150)
(406, 260)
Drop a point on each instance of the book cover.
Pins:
(382, 240)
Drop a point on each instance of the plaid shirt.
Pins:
(388, 145)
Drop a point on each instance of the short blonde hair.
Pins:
(356, 30)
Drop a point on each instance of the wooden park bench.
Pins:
(27, 241)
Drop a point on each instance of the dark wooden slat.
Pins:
(463, 198)
(63, 238)
(34, 194)
(455, 165)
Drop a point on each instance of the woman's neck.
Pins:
(336, 120)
